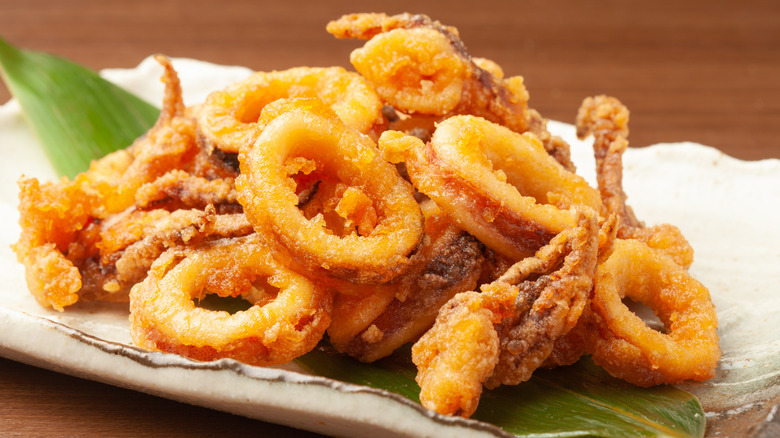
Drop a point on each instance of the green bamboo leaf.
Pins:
(394, 373)
(227, 304)
(77, 115)
(80, 116)
(581, 400)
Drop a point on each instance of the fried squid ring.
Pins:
(305, 130)
(625, 346)
(495, 183)
(420, 66)
(228, 119)
(507, 331)
(287, 319)
(607, 120)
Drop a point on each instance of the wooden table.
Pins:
(703, 71)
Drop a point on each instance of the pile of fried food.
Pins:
(418, 199)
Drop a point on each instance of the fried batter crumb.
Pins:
(372, 334)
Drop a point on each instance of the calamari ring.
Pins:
(423, 72)
(307, 129)
(418, 65)
(625, 346)
(495, 183)
(421, 67)
(415, 64)
(228, 119)
(287, 320)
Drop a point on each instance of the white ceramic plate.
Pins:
(727, 208)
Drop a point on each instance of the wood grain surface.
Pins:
(702, 71)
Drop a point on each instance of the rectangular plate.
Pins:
(727, 209)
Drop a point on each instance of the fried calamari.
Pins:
(606, 119)
(229, 121)
(418, 200)
(419, 66)
(510, 327)
(288, 316)
(303, 135)
(625, 345)
(449, 261)
(496, 184)
(89, 239)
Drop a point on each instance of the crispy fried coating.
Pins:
(345, 210)
(167, 145)
(379, 244)
(546, 307)
(625, 345)
(569, 348)
(498, 185)
(71, 238)
(228, 119)
(52, 216)
(373, 326)
(504, 333)
(287, 318)
(456, 356)
(419, 66)
(306, 132)
(138, 239)
(178, 189)
(606, 118)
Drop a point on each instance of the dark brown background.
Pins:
(703, 71)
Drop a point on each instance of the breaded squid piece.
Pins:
(228, 119)
(448, 261)
(500, 186)
(456, 356)
(287, 318)
(178, 189)
(167, 145)
(132, 245)
(52, 216)
(624, 345)
(63, 222)
(306, 136)
(419, 66)
(606, 118)
(500, 336)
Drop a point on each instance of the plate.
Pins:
(727, 209)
